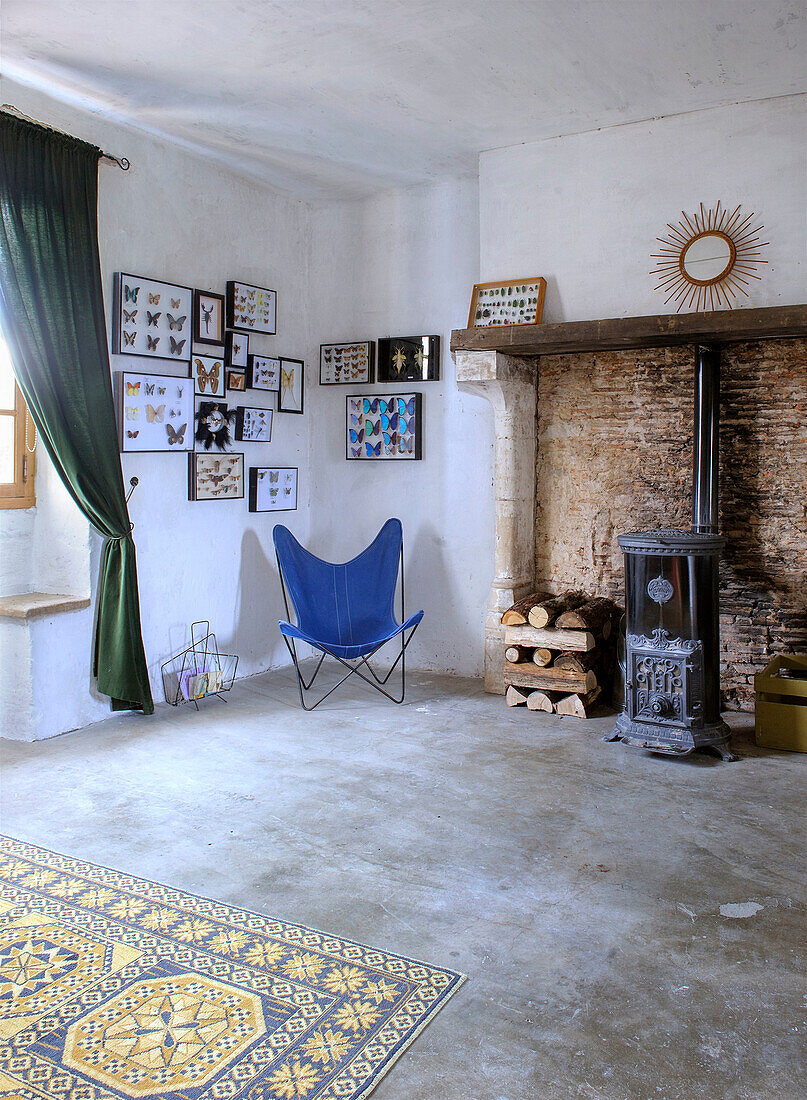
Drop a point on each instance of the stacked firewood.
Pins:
(559, 654)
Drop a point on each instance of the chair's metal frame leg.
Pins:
(353, 669)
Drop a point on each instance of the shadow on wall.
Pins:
(444, 626)
(256, 638)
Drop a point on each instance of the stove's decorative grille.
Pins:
(664, 679)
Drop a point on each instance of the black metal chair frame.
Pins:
(354, 667)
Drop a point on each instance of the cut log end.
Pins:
(594, 615)
(517, 614)
(542, 700)
(516, 696)
(578, 706)
(546, 611)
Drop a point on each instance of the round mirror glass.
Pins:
(707, 257)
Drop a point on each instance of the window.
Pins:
(17, 440)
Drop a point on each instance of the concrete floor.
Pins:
(586, 889)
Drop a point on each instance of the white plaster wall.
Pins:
(404, 263)
(177, 217)
(584, 210)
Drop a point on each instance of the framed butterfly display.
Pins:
(155, 412)
(263, 373)
(236, 380)
(384, 427)
(251, 308)
(272, 488)
(341, 364)
(215, 477)
(207, 373)
(514, 302)
(236, 349)
(208, 317)
(290, 394)
(409, 359)
(151, 319)
(253, 425)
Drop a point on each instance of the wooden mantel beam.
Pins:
(618, 333)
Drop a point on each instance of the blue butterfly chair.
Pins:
(346, 611)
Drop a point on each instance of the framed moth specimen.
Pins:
(409, 359)
(151, 319)
(290, 394)
(208, 375)
(215, 477)
(344, 363)
(208, 317)
(263, 373)
(251, 308)
(272, 488)
(236, 349)
(253, 425)
(154, 412)
(515, 302)
(384, 427)
(236, 380)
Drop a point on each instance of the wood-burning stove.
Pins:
(672, 642)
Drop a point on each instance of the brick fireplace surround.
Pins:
(592, 442)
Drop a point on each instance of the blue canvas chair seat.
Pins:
(345, 610)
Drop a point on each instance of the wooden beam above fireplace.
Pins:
(618, 333)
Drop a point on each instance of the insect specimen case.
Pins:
(215, 476)
(151, 319)
(251, 308)
(409, 359)
(155, 412)
(388, 427)
(272, 488)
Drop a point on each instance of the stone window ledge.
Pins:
(32, 605)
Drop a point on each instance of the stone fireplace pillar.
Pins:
(509, 384)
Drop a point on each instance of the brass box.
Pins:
(781, 705)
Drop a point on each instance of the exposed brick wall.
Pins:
(763, 509)
(615, 454)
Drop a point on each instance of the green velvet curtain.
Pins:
(52, 314)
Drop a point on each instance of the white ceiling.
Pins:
(329, 98)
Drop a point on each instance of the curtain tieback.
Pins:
(117, 538)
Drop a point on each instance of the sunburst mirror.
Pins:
(708, 258)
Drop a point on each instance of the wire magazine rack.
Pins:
(198, 670)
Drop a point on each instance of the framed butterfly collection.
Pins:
(151, 319)
(272, 488)
(515, 302)
(236, 380)
(409, 359)
(384, 427)
(253, 425)
(155, 412)
(236, 349)
(251, 308)
(207, 373)
(263, 373)
(208, 317)
(215, 477)
(290, 394)
(341, 364)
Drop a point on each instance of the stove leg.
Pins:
(725, 752)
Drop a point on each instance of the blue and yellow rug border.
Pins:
(312, 1015)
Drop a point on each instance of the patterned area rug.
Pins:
(114, 986)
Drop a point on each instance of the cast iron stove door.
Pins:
(663, 689)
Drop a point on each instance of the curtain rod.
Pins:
(121, 162)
